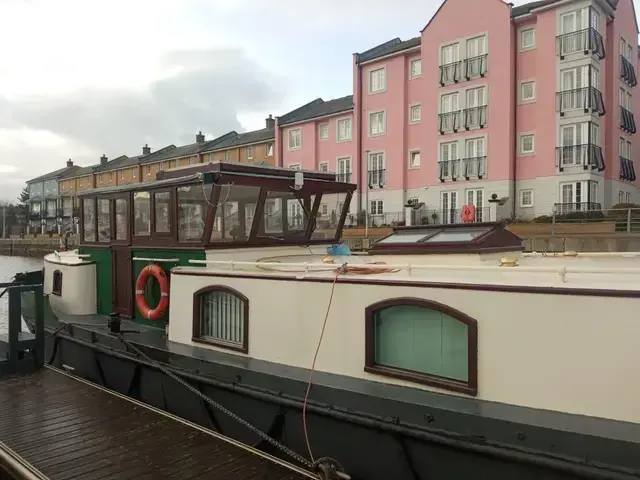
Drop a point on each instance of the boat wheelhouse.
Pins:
(443, 351)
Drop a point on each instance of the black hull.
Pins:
(369, 447)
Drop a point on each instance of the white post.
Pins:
(493, 208)
(4, 221)
(366, 196)
(408, 216)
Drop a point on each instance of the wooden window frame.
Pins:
(56, 291)
(195, 332)
(470, 387)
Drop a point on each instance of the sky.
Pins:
(82, 78)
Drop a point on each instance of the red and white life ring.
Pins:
(468, 213)
(159, 274)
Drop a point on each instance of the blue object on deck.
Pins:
(339, 249)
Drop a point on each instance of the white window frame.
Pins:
(349, 122)
(289, 133)
(523, 204)
(324, 210)
(343, 166)
(524, 84)
(453, 98)
(481, 43)
(476, 97)
(454, 48)
(323, 127)
(323, 164)
(121, 174)
(250, 152)
(384, 123)
(270, 148)
(412, 73)
(521, 138)
(295, 166)
(418, 108)
(412, 155)
(380, 159)
(379, 209)
(383, 73)
(523, 46)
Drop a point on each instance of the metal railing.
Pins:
(587, 40)
(475, 66)
(589, 156)
(475, 117)
(589, 99)
(627, 121)
(627, 169)
(589, 219)
(628, 72)
(449, 122)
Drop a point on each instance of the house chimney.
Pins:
(69, 163)
(199, 137)
(271, 122)
(103, 159)
(146, 150)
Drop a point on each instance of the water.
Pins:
(9, 266)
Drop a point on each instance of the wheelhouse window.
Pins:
(89, 219)
(285, 214)
(162, 209)
(104, 220)
(221, 318)
(235, 209)
(142, 213)
(424, 342)
(56, 288)
(192, 211)
(122, 219)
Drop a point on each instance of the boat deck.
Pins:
(60, 427)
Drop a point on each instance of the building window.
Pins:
(324, 210)
(414, 159)
(527, 39)
(221, 318)
(527, 144)
(148, 170)
(624, 197)
(56, 288)
(376, 207)
(377, 123)
(121, 174)
(270, 149)
(295, 139)
(527, 91)
(250, 152)
(376, 169)
(415, 68)
(415, 113)
(295, 166)
(343, 173)
(526, 198)
(323, 131)
(134, 172)
(227, 156)
(323, 167)
(424, 342)
(344, 130)
(378, 80)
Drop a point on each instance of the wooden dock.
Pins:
(55, 426)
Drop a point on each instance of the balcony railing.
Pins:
(450, 73)
(35, 216)
(474, 167)
(589, 156)
(627, 169)
(627, 121)
(343, 177)
(377, 178)
(587, 98)
(449, 122)
(576, 207)
(628, 72)
(475, 117)
(448, 170)
(587, 40)
(475, 66)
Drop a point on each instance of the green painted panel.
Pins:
(102, 257)
(153, 289)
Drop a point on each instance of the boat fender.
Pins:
(160, 275)
(339, 249)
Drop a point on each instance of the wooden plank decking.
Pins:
(68, 429)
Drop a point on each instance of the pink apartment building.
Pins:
(533, 103)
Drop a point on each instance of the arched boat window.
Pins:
(221, 318)
(56, 288)
(424, 342)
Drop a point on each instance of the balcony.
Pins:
(450, 73)
(628, 72)
(448, 170)
(449, 122)
(343, 177)
(475, 117)
(588, 99)
(474, 167)
(587, 40)
(35, 216)
(377, 178)
(627, 169)
(627, 121)
(589, 156)
(475, 67)
(576, 207)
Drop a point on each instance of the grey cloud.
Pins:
(211, 87)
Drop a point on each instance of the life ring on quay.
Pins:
(468, 213)
(159, 274)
